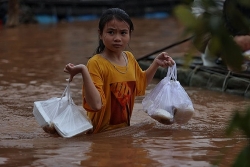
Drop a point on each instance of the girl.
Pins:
(112, 77)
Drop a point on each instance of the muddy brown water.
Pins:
(32, 58)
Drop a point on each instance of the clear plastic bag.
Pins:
(72, 121)
(168, 102)
(46, 111)
(61, 115)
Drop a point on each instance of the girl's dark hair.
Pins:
(237, 17)
(108, 15)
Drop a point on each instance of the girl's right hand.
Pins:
(73, 70)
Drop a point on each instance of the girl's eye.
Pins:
(111, 32)
(124, 32)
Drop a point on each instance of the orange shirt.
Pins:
(117, 91)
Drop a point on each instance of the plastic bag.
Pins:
(168, 102)
(61, 115)
(46, 111)
(71, 121)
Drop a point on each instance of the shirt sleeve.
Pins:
(96, 75)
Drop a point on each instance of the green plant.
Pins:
(241, 121)
(210, 26)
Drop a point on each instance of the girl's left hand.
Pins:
(164, 60)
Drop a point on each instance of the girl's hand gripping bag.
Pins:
(168, 102)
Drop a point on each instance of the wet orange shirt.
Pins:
(117, 91)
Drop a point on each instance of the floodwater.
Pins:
(32, 58)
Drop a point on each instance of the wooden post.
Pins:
(13, 13)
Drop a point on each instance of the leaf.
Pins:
(240, 120)
(184, 14)
(243, 159)
(244, 3)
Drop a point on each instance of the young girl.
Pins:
(112, 77)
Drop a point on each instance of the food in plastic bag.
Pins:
(46, 111)
(168, 102)
(163, 116)
(72, 121)
(183, 115)
(61, 115)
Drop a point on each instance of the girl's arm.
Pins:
(162, 60)
(92, 95)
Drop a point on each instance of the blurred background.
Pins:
(52, 11)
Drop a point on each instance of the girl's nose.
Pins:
(117, 37)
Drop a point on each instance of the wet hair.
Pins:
(108, 15)
(237, 17)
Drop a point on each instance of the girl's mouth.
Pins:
(117, 45)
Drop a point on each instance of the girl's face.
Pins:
(115, 35)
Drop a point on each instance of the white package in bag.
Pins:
(168, 102)
(61, 115)
(46, 111)
(72, 119)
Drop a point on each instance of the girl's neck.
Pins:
(115, 57)
(112, 55)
